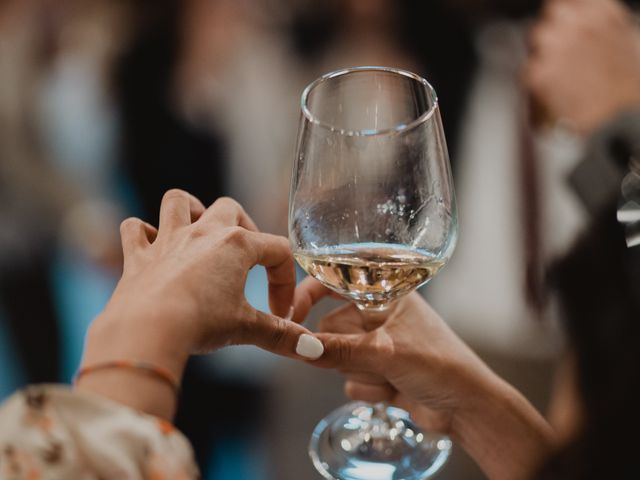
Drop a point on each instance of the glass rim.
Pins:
(425, 116)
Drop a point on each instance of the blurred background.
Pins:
(105, 104)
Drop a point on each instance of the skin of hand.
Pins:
(182, 292)
(585, 61)
(408, 356)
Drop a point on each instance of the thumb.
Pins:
(281, 336)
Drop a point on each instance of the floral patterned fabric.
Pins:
(55, 433)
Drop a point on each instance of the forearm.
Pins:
(107, 341)
(503, 432)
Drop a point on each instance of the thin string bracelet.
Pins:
(156, 371)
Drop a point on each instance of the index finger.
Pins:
(273, 253)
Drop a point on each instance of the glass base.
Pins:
(356, 442)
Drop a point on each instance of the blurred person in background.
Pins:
(162, 146)
(518, 213)
(585, 50)
(585, 73)
(51, 171)
(25, 237)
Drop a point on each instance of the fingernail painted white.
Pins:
(309, 347)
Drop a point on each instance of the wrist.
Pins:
(502, 431)
(147, 338)
(117, 337)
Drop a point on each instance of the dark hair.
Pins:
(599, 289)
(160, 148)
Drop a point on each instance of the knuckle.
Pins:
(350, 390)
(129, 224)
(343, 351)
(285, 245)
(197, 231)
(175, 193)
(236, 236)
(386, 351)
(278, 334)
(227, 203)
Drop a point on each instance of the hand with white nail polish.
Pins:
(406, 354)
(409, 357)
(182, 292)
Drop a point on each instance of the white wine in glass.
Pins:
(371, 275)
(372, 215)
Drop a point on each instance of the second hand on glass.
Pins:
(372, 216)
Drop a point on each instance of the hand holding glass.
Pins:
(373, 217)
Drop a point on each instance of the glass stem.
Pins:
(380, 412)
(377, 430)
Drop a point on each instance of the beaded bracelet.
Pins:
(161, 373)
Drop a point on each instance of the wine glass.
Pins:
(372, 215)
